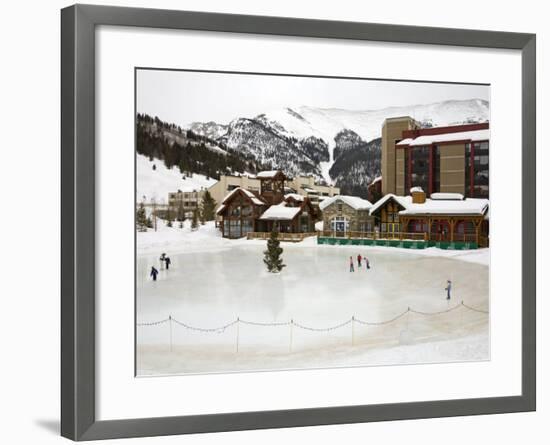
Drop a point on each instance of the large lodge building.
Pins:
(453, 159)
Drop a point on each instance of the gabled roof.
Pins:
(255, 200)
(403, 201)
(353, 201)
(280, 212)
(248, 193)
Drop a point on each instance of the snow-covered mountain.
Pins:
(310, 140)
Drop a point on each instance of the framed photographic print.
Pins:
(289, 222)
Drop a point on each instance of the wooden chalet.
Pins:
(295, 214)
(239, 211)
(246, 213)
(446, 217)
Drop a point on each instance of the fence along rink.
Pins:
(405, 327)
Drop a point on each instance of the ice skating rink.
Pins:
(211, 289)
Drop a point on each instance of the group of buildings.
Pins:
(434, 187)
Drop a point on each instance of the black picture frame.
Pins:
(78, 176)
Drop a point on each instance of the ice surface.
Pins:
(212, 281)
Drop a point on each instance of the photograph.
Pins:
(287, 222)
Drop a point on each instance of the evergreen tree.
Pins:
(141, 218)
(195, 220)
(208, 207)
(201, 217)
(272, 256)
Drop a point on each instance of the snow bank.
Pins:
(157, 183)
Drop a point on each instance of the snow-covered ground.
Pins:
(212, 281)
(157, 183)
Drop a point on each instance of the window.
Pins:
(477, 170)
(420, 168)
(340, 224)
(436, 165)
(339, 207)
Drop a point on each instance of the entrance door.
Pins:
(340, 226)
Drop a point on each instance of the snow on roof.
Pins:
(404, 201)
(406, 141)
(468, 206)
(377, 179)
(447, 196)
(220, 209)
(295, 196)
(353, 201)
(417, 189)
(267, 174)
(428, 139)
(248, 193)
(280, 212)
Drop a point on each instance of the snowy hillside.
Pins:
(302, 139)
(157, 183)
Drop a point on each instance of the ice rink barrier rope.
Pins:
(309, 328)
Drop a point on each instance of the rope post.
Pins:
(291, 333)
(353, 330)
(170, 323)
(237, 340)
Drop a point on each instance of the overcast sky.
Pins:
(182, 97)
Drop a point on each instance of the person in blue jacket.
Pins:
(154, 273)
(448, 289)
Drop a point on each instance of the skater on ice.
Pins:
(162, 259)
(359, 258)
(351, 268)
(448, 289)
(167, 261)
(154, 273)
(367, 263)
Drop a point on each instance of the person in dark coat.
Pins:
(448, 289)
(351, 268)
(167, 261)
(154, 273)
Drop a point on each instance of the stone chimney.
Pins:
(418, 195)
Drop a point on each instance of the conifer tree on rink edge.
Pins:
(272, 256)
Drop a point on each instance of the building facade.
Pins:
(444, 217)
(190, 201)
(343, 215)
(452, 159)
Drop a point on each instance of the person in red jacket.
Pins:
(359, 258)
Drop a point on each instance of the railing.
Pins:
(414, 236)
(375, 235)
(282, 236)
